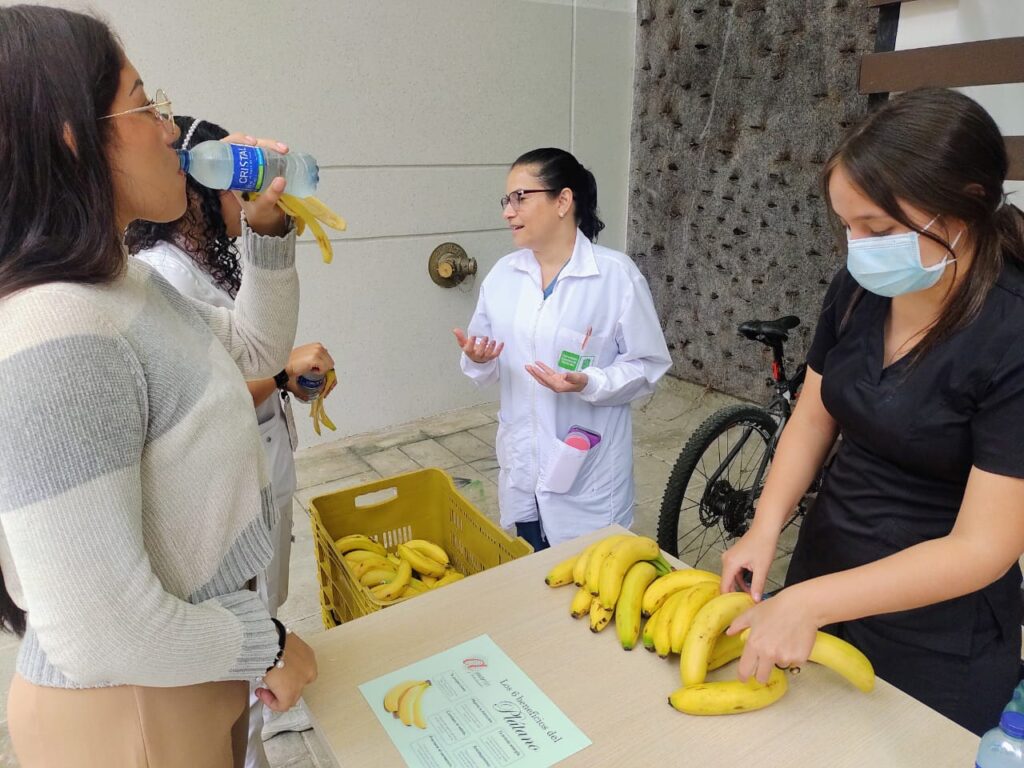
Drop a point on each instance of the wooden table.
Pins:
(618, 699)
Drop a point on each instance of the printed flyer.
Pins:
(471, 707)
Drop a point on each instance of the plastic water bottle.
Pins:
(1003, 746)
(1017, 702)
(218, 165)
(311, 384)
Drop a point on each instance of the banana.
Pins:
(449, 578)
(316, 408)
(627, 608)
(599, 617)
(395, 560)
(664, 586)
(581, 604)
(729, 697)
(844, 659)
(417, 587)
(579, 571)
(621, 559)
(359, 555)
(394, 693)
(662, 641)
(370, 564)
(728, 648)
(561, 574)
(696, 598)
(396, 586)
(358, 541)
(430, 549)
(417, 708)
(707, 625)
(420, 563)
(648, 634)
(430, 581)
(377, 576)
(597, 556)
(407, 702)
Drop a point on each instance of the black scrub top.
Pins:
(911, 434)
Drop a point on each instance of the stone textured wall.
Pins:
(737, 105)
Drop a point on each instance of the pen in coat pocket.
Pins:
(586, 338)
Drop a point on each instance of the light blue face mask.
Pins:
(891, 265)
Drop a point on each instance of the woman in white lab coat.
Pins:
(570, 331)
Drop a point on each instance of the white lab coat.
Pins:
(599, 289)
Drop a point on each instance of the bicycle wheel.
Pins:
(697, 515)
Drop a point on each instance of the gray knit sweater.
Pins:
(134, 500)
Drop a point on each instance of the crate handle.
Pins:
(377, 498)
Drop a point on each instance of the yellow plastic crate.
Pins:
(419, 505)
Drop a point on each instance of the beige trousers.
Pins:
(129, 726)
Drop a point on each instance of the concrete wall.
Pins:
(738, 103)
(414, 109)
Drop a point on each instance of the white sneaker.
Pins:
(295, 719)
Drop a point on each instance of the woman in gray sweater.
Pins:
(135, 508)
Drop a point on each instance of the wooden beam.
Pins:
(1015, 149)
(986, 62)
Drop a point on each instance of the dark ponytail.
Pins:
(558, 170)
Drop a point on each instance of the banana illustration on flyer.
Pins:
(471, 706)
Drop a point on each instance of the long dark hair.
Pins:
(61, 71)
(940, 152)
(201, 230)
(58, 221)
(558, 170)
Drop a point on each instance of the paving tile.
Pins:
(650, 474)
(284, 748)
(488, 468)
(391, 462)
(456, 421)
(430, 453)
(488, 433)
(303, 496)
(8, 659)
(467, 447)
(303, 587)
(306, 761)
(323, 463)
(362, 445)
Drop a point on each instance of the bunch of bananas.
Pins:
(316, 408)
(416, 567)
(625, 577)
(404, 702)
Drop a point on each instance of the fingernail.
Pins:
(250, 138)
(282, 146)
(757, 597)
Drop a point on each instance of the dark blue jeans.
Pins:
(532, 534)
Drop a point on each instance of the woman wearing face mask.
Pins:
(911, 551)
(570, 331)
(135, 503)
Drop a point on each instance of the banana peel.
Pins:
(316, 408)
(310, 211)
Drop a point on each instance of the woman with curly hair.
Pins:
(197, 255)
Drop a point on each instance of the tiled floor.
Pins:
(462, 443)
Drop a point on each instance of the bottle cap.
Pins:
(1012, 724)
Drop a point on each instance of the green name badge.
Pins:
(570, 361)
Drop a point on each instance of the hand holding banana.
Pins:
(626, 578)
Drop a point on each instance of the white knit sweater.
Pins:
(134, 500)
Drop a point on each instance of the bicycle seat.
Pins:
(767, 331)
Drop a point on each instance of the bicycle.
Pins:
(713, 497)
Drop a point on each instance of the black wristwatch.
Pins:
(281, 381)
